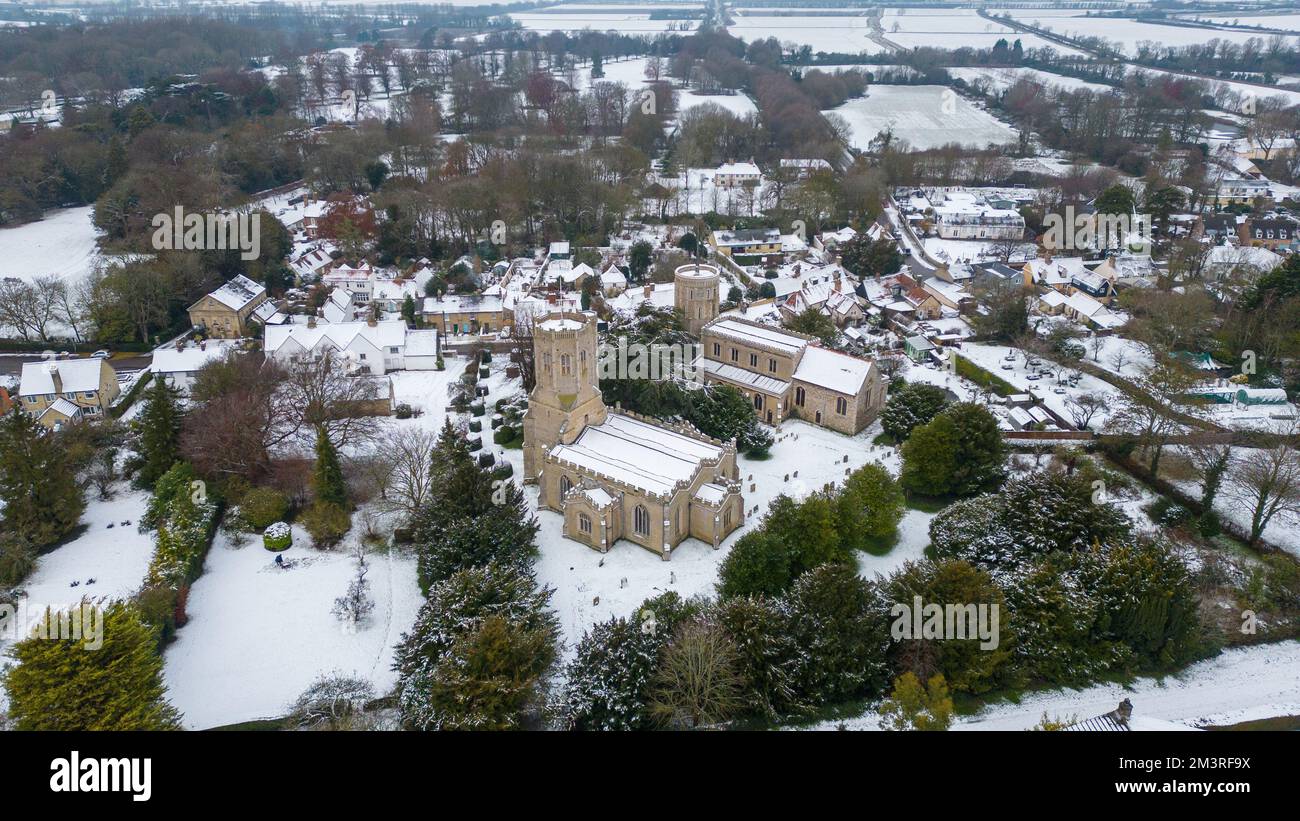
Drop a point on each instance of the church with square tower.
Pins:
(613, 474)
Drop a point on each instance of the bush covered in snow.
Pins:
(278, 536)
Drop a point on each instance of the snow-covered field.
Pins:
(61, 245)
(954, 29)
(1000, 79)
(849, 34)
(922, 116)
(623, 22)
(1238, 685)
(1128, 33)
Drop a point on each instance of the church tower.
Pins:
(566, 397)
(695, 294)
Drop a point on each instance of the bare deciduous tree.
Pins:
(698, 683)
(319, 394)
(1267, 483)
(407, 456)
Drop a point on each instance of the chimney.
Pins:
(371, 321)
(311, 320)
(1124, 712)
(53, 370)
(648, 290)
(552, 298)
(203, 344)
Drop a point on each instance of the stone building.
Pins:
(616, 475)
(226, 312)
(695, 294)
(786, 374)
(60, 391)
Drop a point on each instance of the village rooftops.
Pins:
(638, 454)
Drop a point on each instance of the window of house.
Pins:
(641, 521)
(841, 405)
(799, 396)
(584, 523)
(565, 485)
(717, 349)
(735, 355)
(753, 360)
(392, 349)
(362, 356)
(771, 364)
(758, 401)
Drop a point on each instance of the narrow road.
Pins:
(12, 364)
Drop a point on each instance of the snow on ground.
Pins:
(1283, 531)
(925, 116)
(1128, 33)
(61, 245)
(1000, 79)
(115, 558)
(1120, 356)
(591, 587)
(954, 29)
(1242, 684)
(622, 22)
(992, 357)
(259, 635)
(972, 250)
(848, 34)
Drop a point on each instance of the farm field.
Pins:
(923, 116)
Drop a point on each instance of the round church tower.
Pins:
(695, 294)
(566, 397)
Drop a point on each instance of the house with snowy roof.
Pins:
(784, 374)
(834, 299)
(372, 346)
(737, 175)
(179, 364)
(57, 392)
(226, 312)
(614, 475)
(466, 313)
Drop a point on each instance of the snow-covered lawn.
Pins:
(1242, 684)
(258, 634)
(62, 245)
(922, 116)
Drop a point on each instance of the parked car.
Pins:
(101, 354)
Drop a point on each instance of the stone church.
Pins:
(612, 474)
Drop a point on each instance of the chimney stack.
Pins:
(53, 371)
